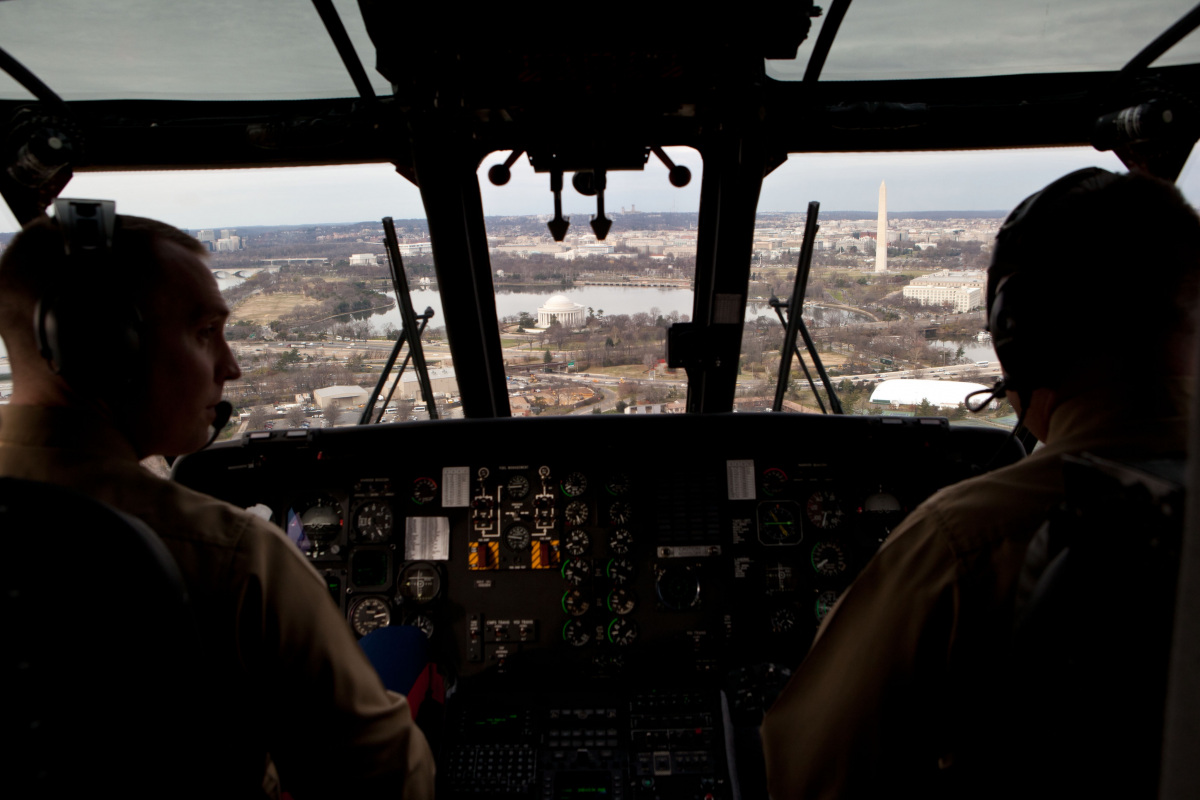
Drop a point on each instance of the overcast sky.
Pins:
(278, 49)
(942, 181)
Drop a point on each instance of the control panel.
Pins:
(611, 598)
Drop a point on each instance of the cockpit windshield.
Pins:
(217, 50)
(881, 40)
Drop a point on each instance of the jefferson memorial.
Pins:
(569, 314)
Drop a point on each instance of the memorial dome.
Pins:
(560, 307)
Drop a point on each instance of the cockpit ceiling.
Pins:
(279, 50)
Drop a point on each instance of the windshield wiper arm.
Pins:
(829, 30)
(1165, 41)
(345, 48)
(32, 82)
(794, 324)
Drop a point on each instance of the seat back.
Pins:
(1083, 713)
(100, 651)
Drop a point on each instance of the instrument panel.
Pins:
(664, 573)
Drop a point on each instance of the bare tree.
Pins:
(294, 416)
(258, 418)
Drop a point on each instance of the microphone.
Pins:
(997, 392)
(224, 411)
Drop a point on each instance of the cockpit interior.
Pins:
(611, 602)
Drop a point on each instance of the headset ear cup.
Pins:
(77, 342)
(1017, 334)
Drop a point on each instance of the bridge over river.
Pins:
(241, 272)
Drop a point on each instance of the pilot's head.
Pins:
(144, 343)
(1096, 271)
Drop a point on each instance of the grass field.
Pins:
(262, 308)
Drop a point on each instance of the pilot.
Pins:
(101, 381)
(889, 697)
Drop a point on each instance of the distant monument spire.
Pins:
(881, 233)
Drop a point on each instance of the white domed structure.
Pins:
(569, 314)
(911, 391)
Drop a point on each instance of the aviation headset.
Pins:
(1019, 318)
(86, 330)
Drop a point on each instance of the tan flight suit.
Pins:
(902, 666)
(297, 696)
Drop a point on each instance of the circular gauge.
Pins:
(576, 633)
(321, 523)
(828, 559)
(575, 571)
(678, 588)
(619, 513)
(824, 509)
(774, 480)
(576, 512)
(373, 521)
(517, 486)
(617, 485)
(518, 538)
(621, 601)
(482, 507)
(574, 484)
(420, 581)
(620, 571)
(777, 524)
(369, 614)
(622, 632)
(783, 620)
(620, 541)
(544, 472)
(577, 542)
(882, 503)
(422, 623)
(575, 603)
(424, 491)
(824, 604)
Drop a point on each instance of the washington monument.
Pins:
(881, 234)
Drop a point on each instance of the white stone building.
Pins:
(960, 298)
(568, 313)
(963, 290)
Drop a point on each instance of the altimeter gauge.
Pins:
(373, 521)
(369, 614)
(824, 509)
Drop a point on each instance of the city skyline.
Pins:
(944, 181)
